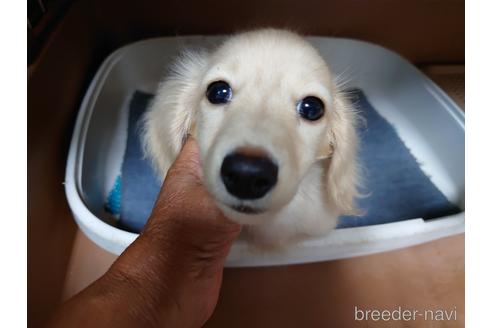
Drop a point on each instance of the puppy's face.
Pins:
(263, 108)
(262, 119)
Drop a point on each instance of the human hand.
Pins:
(171, 275)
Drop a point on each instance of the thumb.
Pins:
(184, 197)
(188, 164)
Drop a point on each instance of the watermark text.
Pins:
(401, 314)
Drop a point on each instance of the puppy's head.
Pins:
(263, 108)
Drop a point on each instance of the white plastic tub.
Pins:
(427, 120)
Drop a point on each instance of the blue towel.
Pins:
(139, 182)
(396, 186)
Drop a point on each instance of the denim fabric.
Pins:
(139, 183)
(396, 186)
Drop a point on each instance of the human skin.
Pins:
(171, 275)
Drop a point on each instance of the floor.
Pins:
(425, 277)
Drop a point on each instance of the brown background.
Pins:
(61, 260)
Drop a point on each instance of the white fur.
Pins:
(269, 71)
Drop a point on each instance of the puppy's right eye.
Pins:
(219, 92)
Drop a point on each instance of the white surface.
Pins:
(429, 123)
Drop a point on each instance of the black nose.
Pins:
(248, 176)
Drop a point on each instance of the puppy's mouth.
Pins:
(246, 209)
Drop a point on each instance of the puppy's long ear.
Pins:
(172, 113)
(342, 169)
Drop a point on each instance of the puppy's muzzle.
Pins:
(248, 174)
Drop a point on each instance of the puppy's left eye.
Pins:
(219, 92)
(311, 108)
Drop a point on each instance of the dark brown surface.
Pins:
(423, 31)
(451, 79)
(425, 277)
(55, 87)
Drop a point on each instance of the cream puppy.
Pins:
(276, 137)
